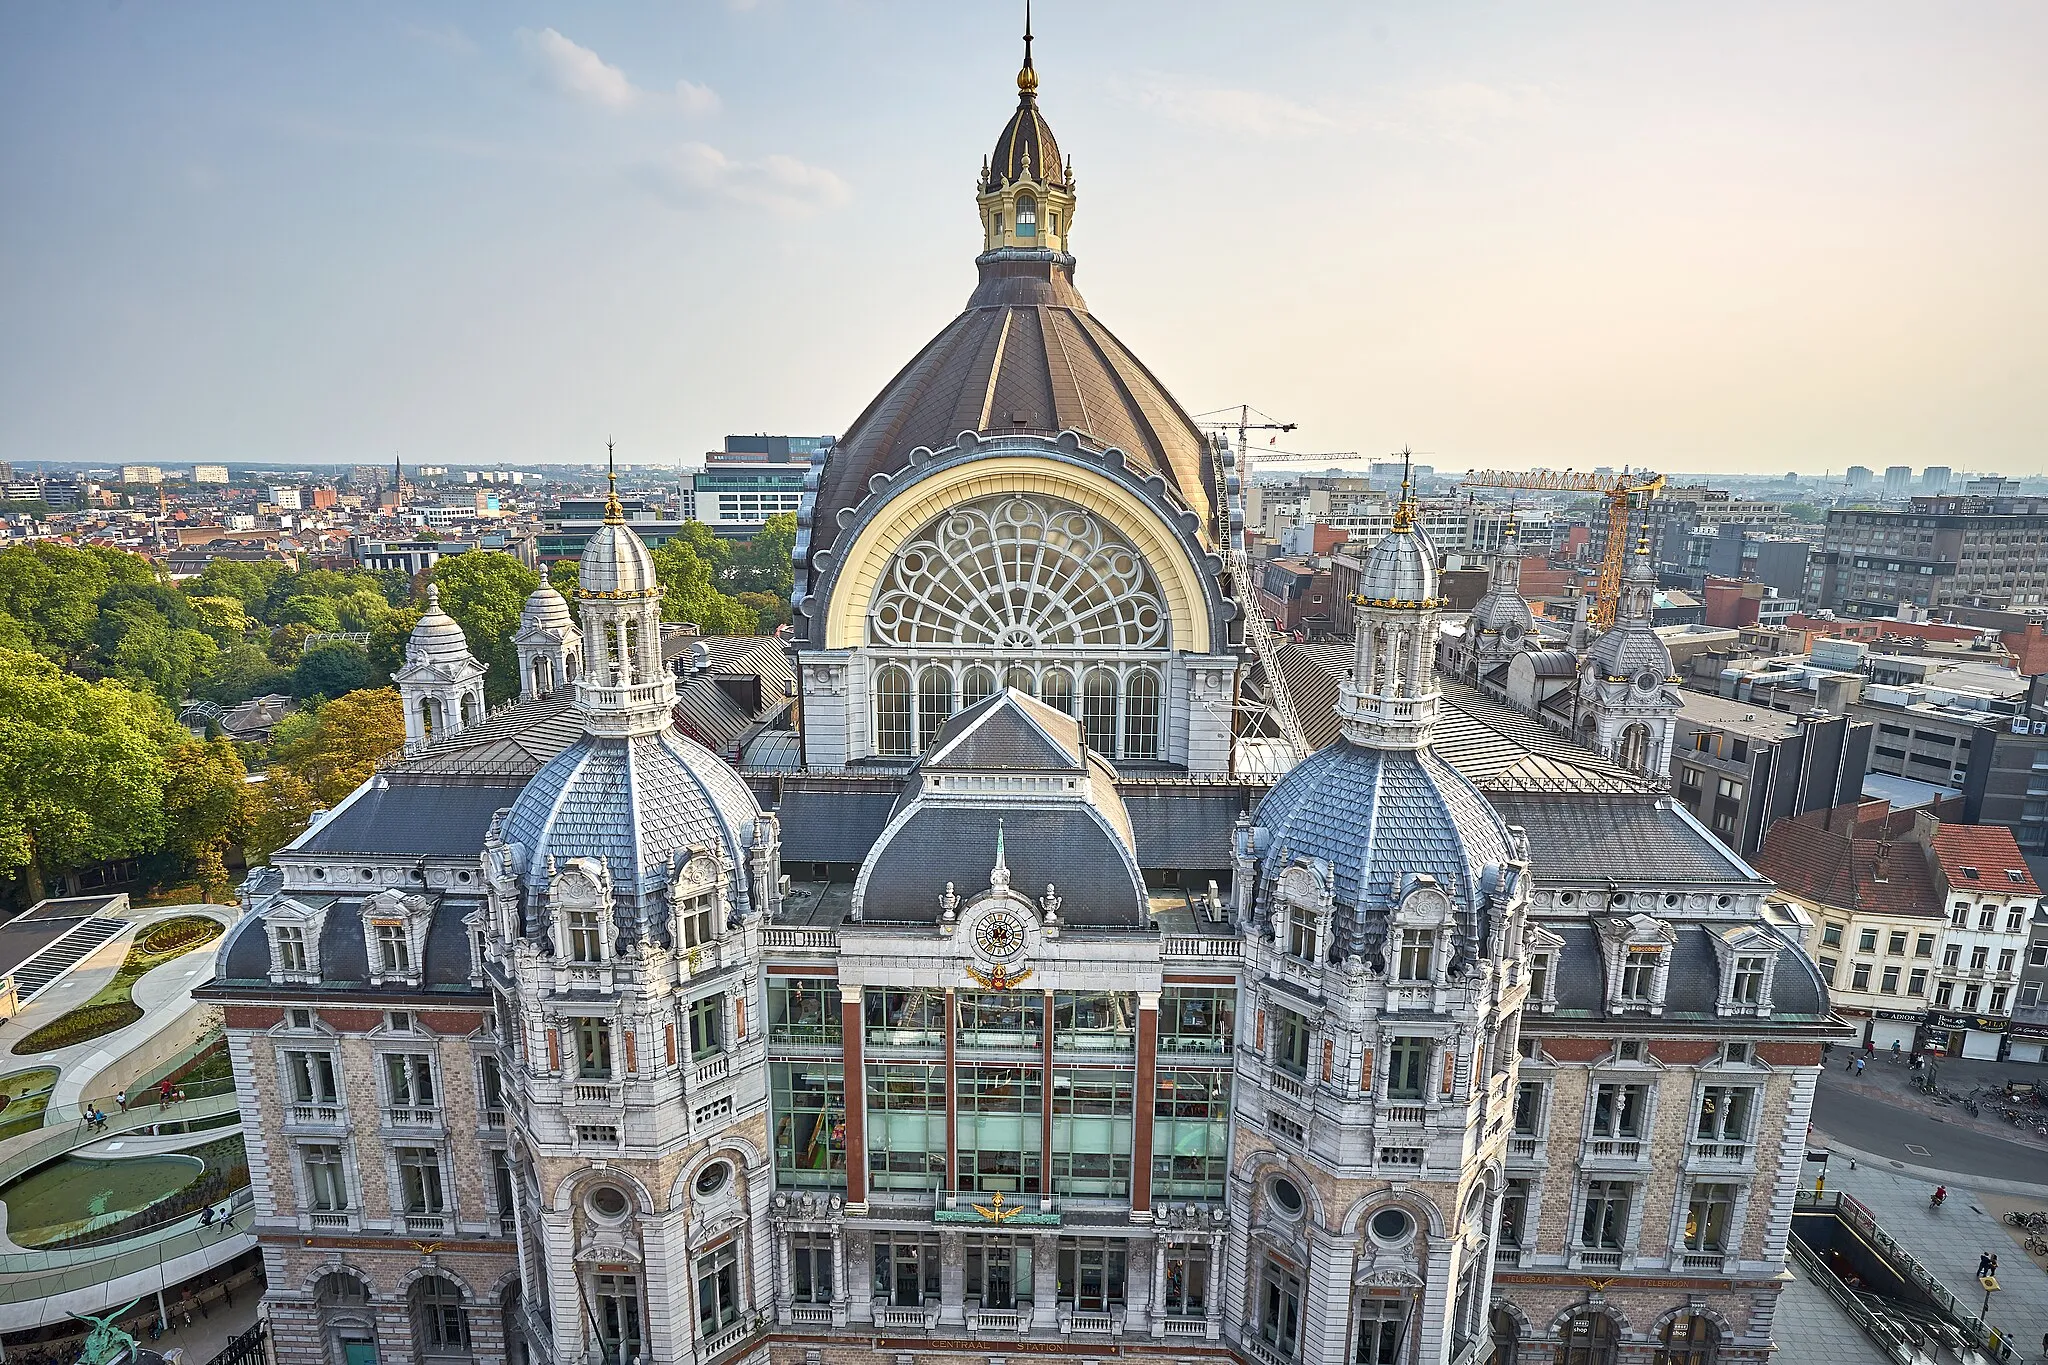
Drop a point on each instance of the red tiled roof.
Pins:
(1821, 861)
(1984, 858)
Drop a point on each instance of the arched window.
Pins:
(1056, 689)
(1141, 714)
(543, 676)
(338, 1289)
(892, 711)
(1688, 1339)
(1098, 710)
(934, 703)
(1589, 1339)
(1635, 748)
(629, 653)
(1019, 677)
(976, 684)
(466, 708)
(440, 1323)
(1027, 216)
(1507, 1338)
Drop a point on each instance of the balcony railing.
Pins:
(412, 1117)
(1074, 1322)
(426, 1224)
(1585, 1259)
(1724, 1152)
(799, 938)
(716, 1069)
(811, 1314)
(335, 1220)
(1285, 1084)
(1404, 1113)
(600, 1093)
(494, 1118)
(998, 1319)
(1615, 1149)
(1711, 1262)
(905, 1319)
(322, 1115)
(1524, 1146)
(726, 1340)
(1411, 998)
(1507, 1256)
(1177, 1326)
(1178, 946)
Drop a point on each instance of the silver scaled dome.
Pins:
(437, 639)
(1400, 570)
(615, 563)
(546, 609)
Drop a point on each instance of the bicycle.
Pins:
(2032, 1219)
(2037, 1246)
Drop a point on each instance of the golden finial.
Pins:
(1027, 75)
(613, 513)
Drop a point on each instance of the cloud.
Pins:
(696, 175)
(1253, 112)
(574, 70)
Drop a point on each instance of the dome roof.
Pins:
(1376, 816)
(545, 609)
(1631, 648)
(1025, 356)
(615, 563)
(636, 803)
(1400, 570)
(436, 639)
(1026, 149)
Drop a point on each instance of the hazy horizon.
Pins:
(1742, 240)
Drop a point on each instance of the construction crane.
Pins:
(1624, 492)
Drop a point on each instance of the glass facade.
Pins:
(906, 1127)
(1191, 1133)
(810, 1122)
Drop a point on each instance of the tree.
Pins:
(388, 639)
(247, 581)
(207, 805)
(330, 669)
(240, 672)
(335, 747)
(484, 591)
(762, 563)
(563, 574)
(1804, 511)
(224, 619)
(82, 769)
(169, 662)
(53, 592)
(688, 594)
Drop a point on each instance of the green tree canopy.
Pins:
(243, 671)
(207, 804)
(82, 769)
(331, 669)
(53, 592)
(484, 591)
(688, 593)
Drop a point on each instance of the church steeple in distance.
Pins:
(1026, 192)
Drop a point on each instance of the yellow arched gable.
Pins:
(867, 558)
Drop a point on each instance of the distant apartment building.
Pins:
(752, 479)
(1937, 551)
(1740, 768)
(209, 473)
(285, 497)
(1934, 479)
(1670, 520)
(1857, 478)
(409, 557)
(565, 531)
(1298, 594)
(2028, 1036)
(1898, 481)
(141, 473)
(59, 495)
(1990, 896)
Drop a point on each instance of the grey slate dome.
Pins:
(1400, 569)
(1377, 816)
(437, 638)
(546, 609)
(1628, 651)
(615, 563)
(637, 803)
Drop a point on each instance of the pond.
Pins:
(75, 1194)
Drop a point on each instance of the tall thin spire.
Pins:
(1027, 75)
(612, 511)
(1404, 510)
(999, 875)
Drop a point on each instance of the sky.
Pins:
(1747, 237)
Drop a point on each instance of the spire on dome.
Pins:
(1404, 510)
(999, 875)
(613, 513)
(1027, 76)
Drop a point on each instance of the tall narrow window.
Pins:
(419, 1180)
(594, 1048)
(699, 918)
(326, 1184)
(618, 1316)
(718, 1289)
(1027, 216)
(977, 684)
(810, 1263)
(1098, 710)
(312, 1077)
(1280, 1307)
(1187, 1279)
(706, 1027)
(1604, 1225)
(291, 949)
(1407, 1068)
(1418, 955)
(1639, 973)
(934, 703)
(394, 949)
(1381, 1326)
(1688, 1339)
(1290, 1051)
(440, 1324)
(998, 1268)
(1748, 988)
(892, 711)
(1091, 1274)
(1706, 1218)
(1141, 714)
(1056, 689)
(586, 941)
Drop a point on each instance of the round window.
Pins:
(608, 1201)
(1286, 1196)
(1568, 898)
(1391, 1225)
(712, 1179)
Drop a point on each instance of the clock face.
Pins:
(999, 936)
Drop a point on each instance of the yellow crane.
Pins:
(1624, 492)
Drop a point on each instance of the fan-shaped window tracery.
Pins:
(1020, 572)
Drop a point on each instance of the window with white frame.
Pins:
(1619, 1110)
(1748, 986)
(586, 935)
(409, 1080)
(1416, 961)
(326, 1177)
(311, 1078)
(419, 1181)
(1639, 973)
(718, 1289)
(291, 948)
(1708, 1215)
(699, 918)
(1724, 1113)
(394, 948)
(1603, 1225)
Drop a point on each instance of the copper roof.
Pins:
(1025, 356)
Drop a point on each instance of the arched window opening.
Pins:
(1589, 1339)
(1688, 1339)
(1141, 714)
(1635, 748)
(892, 711)
(466, 708)
(1056, 689)
(1098, 710)
(1507, 1338)
(977, 684)
(629, 653)
(339, 1289)
(934, 704)
(440, 1323)
(428, 708)
(1019, 677)
(1027, 216)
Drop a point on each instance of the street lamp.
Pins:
(1991, 1286)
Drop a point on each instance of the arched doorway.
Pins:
(1590, 1338)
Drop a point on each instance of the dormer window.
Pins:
(1417, 960)
(1748, 986)
(1639, 974)
(1027, 216)
(1301, 936)
(1539, 975)
(394, 948)
(586, 939)
(699, 917)
(291, 948)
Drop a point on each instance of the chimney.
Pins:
(1882, 873)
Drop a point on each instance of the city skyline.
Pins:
(1762, 241)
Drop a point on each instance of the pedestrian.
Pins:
(1870, 1047)
(206, 1221)
(163, 1092)
(1993, 1271)
(1859, 1066)
(1983, 1264)
(121, 1098)
(1851, 1066)
(1895, 1049)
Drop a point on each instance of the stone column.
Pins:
(1141, 1112)
(949, 1195)
(1045, 1270)
(839, 1286)
(1045, 1112)
(850, 1026)
(952, 1278)
(1160, 1251)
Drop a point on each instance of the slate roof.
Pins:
(403, 815)
(1618, 837)
(517, 738)
(1069, 845)
(1010, 730)
(1377, 816)
(636, 803)
(1825, 858)
(344, 957)
(826, 822)
(1692, 987)
(1184, 829)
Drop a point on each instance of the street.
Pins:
(1883, 1128)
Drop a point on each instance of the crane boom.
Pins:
(1623, 491)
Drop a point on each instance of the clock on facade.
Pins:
(1000, 935)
